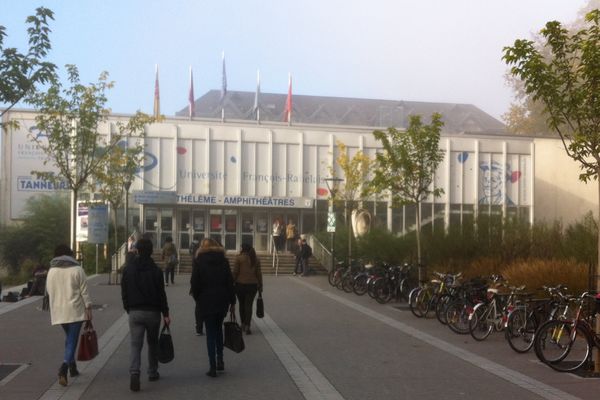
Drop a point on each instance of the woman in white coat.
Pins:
(70, 304)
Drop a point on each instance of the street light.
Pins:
(332, 186)
(127, 185)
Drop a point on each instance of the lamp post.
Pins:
(127, 185)
(332, 186)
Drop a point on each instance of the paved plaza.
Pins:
(315, 342)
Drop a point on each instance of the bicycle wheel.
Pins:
(422, 301)
(480, 325)
(371, 284)
(331, 276)
(406, 286)
(348, 283)
(412, 302)
(520, 330)
(337, 277)
(383, 291)
(562, 348)
(457, 316)
(441, 306)
(360, 284)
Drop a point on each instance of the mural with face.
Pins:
(491, 184)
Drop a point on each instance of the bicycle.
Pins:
(566, 345)
(491, 315)
(523, 322)
(396, 283)
(424, 299)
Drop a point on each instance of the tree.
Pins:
(113, 180)
(526, 116)
(355, 171)
(406, 167)
(567, 82)
(69, 120)
(21, 73)
(45, 224)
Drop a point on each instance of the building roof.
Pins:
(321, 110)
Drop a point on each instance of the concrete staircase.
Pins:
(287, 263)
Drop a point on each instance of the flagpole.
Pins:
(289, 99)
(256, 98)
(191, 95)
(156, 94)
(223, 89)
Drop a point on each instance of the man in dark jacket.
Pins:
(144, 299)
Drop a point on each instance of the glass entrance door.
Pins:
(151, 223)
(231, 229)
(216, 225)
(184, 227)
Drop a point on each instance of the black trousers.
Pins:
(169, 271)
(199, 318)
(245, 294)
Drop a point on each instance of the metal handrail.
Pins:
(275, 253)
(320, 252)
(117, 261)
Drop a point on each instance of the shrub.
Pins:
(535, 273)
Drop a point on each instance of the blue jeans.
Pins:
(72, 330)
(214, 337)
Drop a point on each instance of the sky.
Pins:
(412, 50)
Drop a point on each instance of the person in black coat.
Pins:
(212, 289)
(144, 299)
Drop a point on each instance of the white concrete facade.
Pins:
(231, 180)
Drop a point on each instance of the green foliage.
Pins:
(566, 82)
(484, 247)
(20, 73)
(406, 167)
(45, 224)
(71, 118)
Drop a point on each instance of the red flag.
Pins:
(287, 114)
(156, 95)
(191, 95)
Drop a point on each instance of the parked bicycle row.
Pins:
(558, 326)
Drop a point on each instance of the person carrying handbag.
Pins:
(212, 289)
(69, 303)
(247, 276)
(145, 300)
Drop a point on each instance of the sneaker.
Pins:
(62, 374)
(294, 274)
(199, 333)
(154, 377)
(134, 382)
(73, 369)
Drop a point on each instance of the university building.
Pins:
(226, 175)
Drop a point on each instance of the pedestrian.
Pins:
(70, 304)
(277, 234)
(144, 300)
(298, 266)
(247, 277)
(305, 254)
(169, 257)
(212, 289)
(290, 235)
(197, 312)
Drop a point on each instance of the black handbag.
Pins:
(260, 306)
(166, 353)
(233, 335)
